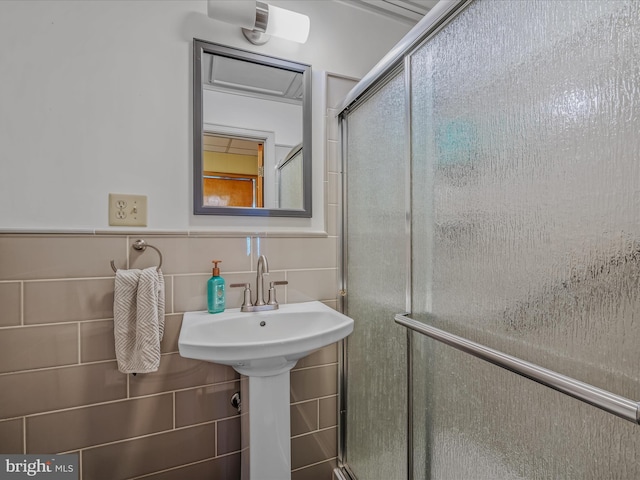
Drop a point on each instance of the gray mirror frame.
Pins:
(200, 47)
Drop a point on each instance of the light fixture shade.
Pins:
(236, 12)
(287, 24)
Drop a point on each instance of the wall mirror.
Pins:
(251, 133)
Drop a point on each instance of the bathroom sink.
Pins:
(264, 346)
(262, 343)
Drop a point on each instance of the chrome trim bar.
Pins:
(408, 258)
(597, 397)
(438, 14)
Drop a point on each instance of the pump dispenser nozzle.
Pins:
(216, 270)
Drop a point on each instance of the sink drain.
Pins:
(263, 323)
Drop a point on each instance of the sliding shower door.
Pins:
(376, 272)
(504, 163)
(526, 237)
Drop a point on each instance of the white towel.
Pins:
(138, 317)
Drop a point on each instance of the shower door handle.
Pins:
(597, 397)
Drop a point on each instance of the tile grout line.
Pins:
(79, 333)
(313, 464)
(54, 324)
(321, 397)
(67, 279)
(302, 369)
(173, 295)
(22, 303)
(176, 274)
(215, 438)
(43, 369)
(173, 395)
(120, 400)
(286, 287)
(96, 362)
(313, 432)
(171, 469)
(145, 435)
(124, 399)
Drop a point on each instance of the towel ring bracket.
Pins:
(141, 245)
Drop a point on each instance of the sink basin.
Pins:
(262, 343)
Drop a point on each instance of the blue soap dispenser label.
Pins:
(216, 298)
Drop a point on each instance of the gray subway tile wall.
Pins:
(46, 390)
(304, 417)
(153, 453)
(60, 390)
(41, 346)
(95, 425)
(11, 301)
(11, 436)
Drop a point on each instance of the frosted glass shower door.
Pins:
(376, 272)
(526, 237)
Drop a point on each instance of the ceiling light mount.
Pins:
(259, 20)
(258, 35)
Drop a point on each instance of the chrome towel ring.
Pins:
(142, 246)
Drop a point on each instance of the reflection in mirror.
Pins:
(231, 171)
(289, 180)
(252, 133)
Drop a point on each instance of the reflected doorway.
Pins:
(233, 171)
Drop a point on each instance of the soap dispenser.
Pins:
(216, 298)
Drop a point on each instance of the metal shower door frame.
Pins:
(399, 58)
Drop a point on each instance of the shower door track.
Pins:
(597, 397)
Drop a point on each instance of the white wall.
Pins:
(95, 97)
(252, 113)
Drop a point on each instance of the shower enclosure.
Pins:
(492, 193)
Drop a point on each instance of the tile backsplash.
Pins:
(60, 389)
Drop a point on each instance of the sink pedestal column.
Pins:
(269, 428)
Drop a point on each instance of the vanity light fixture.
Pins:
(259, 20)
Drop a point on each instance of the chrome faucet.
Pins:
(260, 305)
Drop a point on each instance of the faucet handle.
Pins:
(247, 293)
(272, 291)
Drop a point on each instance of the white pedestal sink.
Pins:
(264, 346)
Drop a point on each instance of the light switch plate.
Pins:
(127, 210)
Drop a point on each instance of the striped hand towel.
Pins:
(138, 311)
